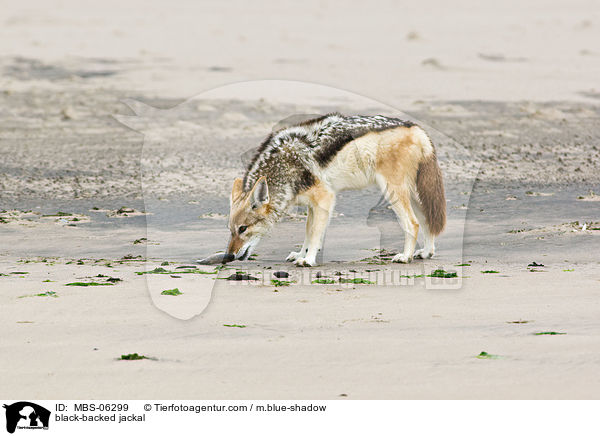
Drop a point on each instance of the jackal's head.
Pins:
(250, 217)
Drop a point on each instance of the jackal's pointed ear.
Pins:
(236, 191)
(260, 193)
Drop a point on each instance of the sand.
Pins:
(121, 135)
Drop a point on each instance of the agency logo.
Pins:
(26, 415)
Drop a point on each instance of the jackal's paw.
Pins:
(422, 254)
(402, 258)
(304, 261)
(294, 255)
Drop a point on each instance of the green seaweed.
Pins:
(276, 282)
(89, 284)
(139, 257)
(240, 326)
(57, 214)
(486, 355)
(357, 281)
(490, 271)
(173, 292)
(440, 273)
(42, 294)
(47, 294)
(133, 356)
(124, 210)
(549, 333)
(463, 264)
(158, 270)
(324, 281)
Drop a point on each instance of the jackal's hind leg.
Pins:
(398, 194)
(428, 249)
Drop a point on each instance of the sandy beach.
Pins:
(121, 135)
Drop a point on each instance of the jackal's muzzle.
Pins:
(239, 249)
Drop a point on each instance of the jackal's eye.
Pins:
(242, 229)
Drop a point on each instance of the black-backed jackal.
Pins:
(308, 163)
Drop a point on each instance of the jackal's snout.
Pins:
(248, 217)
(234, 246)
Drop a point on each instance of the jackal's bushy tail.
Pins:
(430, 187)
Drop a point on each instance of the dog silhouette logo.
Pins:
(26, 415)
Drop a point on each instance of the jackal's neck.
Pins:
(280, 201)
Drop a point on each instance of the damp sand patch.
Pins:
(19, 217)
(122, 212)
(213, 216)
(382, 257)
(539, 194)
(589, 197)
(177, 271)
(66, 218)
(564, 229)
(33, 219)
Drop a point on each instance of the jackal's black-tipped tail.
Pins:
(430, 187)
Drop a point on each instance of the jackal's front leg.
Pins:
(295, 255)
(323, 203)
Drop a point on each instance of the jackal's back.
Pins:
(293, 152)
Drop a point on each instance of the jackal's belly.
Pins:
(340, 179)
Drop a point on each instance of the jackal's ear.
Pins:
(236, 191)
(260, 193)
